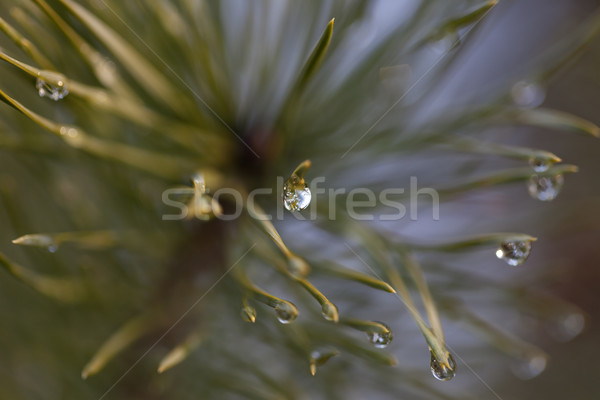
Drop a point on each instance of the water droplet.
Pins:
(296, 194)
(540, 164)
(530, 366)
(286, 312)
(248, 314)
(330, 312)
(514, 253)
(440, 371)
(527, 94)
(545, 188)
(568, 326)
(380, 339)
(52, 248)
(51, 91)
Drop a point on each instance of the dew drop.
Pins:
(527, 94)
(52, 248)
(530, 366)
(380, 339)
(540, 164)
(545, 188)
(51, 91)
(330, 312)
(286, 312)
(296, 194)
(514, 253)
(442, 371)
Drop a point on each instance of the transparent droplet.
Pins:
(545, 188)
(568, 326)
(286, 312)
(527, 94)
(51, 91)
(441, 371)
(296, 194)
(248, 314)
(330, 312)
(514, 253)
(52, 248)
(380, 339)
(540, 164)
(530, 366)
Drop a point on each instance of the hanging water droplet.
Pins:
(286, 312)
(540, 164)
(441, 371)
(296, 194)
(527, 94)
(380, 339)
(530, 366)
(51, 91)
(52, 248)
(514, 253)
(330, 312)
(545, 188)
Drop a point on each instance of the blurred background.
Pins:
(48, 188)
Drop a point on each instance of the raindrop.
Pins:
(330, 312)
(52, 248)
(530, 366)
(380, 339)
(54, 92)
(545, 188)
(296, 194)
(540, 164)
(527, 94)
(514, 253)
(442, 371)
(286, 312)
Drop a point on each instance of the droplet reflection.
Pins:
(54, 92)
(380, 339)
(545, 188)
(441, 371)
(514, 253)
